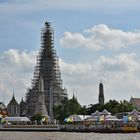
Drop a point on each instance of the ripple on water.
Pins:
(66, 136)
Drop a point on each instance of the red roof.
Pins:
(136, 100)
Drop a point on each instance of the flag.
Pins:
(101, 118)
(125, 119)
(43, 119)
(130, 118)
(66, 119)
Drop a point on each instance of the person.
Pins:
(35, 122)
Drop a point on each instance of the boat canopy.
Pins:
(96, 113)
(134, 112)
(76, 118)
(104, 112)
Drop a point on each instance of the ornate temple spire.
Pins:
(101, 93)
(47, 68)
(40, 107)
(41, 84)
(13, 100)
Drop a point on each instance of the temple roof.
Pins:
(13, 101)
(22, 102)
(2, 105)
(136, 100)
(134, 112)
(105, 112)
(96, 113)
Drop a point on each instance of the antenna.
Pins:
(13, 93)
(4, 96)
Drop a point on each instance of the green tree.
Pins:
(67, 108)
(112, 106)
(36, 117)
(72, 107)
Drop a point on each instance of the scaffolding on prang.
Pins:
(48, 66)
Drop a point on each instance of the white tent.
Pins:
(111, 118)
(77, 118)
(17, 119)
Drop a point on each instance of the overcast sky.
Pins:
(95, 41)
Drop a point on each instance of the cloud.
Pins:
(101, 37)
(74, 69)
(102, 68)
(119, 74)
(121, 62)
(75, 40)
(16, 70)
(76, 74)
(25, 6)
(14, 58)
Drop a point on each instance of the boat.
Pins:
(130, 127)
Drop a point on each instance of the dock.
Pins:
(30, 128)
(69, 128)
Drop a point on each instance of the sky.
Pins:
(95, 41)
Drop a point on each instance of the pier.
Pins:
(30, 128)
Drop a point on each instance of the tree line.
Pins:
(72, 107)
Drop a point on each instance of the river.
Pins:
(65, 136)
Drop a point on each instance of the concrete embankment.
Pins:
(66, 128)
(30, 128)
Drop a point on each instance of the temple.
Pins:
(101, 93)
(13, 107)
(47, 66)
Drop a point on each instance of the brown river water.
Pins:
(66, 136)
